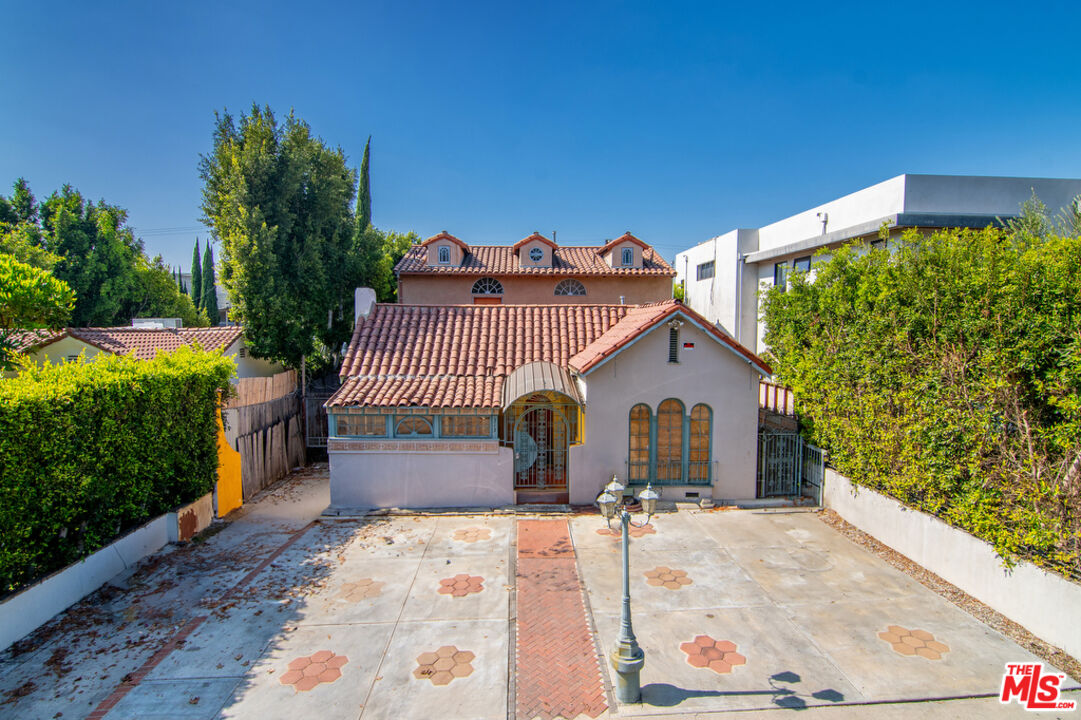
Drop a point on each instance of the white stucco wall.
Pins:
(408, 478)
(249, 367)
(709, 374)
(62, 349)
(1043, 602)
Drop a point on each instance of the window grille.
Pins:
(699, 444)
(444, 254)
(361, 425)
(570, 287)
(705, 270)
(487, 286)
(415, 425)
(670, 442)
(638, 470)
(628, 257)
(673, 345)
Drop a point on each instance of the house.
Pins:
(722, 276)
(142, 341)
(444, 269)
(495, 404)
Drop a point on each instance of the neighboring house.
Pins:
(445, 270)
(143, 342)
(479, 405)
(722, 276)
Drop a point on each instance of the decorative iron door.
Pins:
(540, 450)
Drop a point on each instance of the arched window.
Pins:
(487, 286)
(413, 425)
(638, 450)
(444, 254)
(699, 446)
(670, 441)
(628, 257)
(570, 286)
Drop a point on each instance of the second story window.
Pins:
(802, 264)
(444, 255)
(780, 275)
(628, 257)
(536, 254)
(570, 287)
(487, 286)
(705, 270)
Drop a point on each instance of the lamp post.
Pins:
(627, 658)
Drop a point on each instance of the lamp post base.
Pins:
(627, 661)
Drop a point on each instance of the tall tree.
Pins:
(279, 201)
(91, 248)
(364, 191)
(210, 290)
(196, 276)
(29, 298)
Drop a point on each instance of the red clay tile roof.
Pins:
(26, 340)
(444, 236)
(625, 237)
(460, 355)
(640, 319)
(531, 238)
(499, 260)
(144, 343)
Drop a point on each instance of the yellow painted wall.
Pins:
(230, 494)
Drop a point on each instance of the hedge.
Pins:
(947, 374)
(90, 450)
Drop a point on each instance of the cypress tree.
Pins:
(196, 290)
(364, 192)
(210, 292)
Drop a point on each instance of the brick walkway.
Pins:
(558, 674)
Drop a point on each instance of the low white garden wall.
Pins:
(26, 611)
(1045, 603)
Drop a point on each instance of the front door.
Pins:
(540, 450)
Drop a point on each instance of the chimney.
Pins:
(364, 301)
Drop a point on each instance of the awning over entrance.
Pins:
(536, 377)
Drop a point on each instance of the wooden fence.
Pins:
(264, 418)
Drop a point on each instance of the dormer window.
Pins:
(444, 255)
(628, 257)
(536, 254)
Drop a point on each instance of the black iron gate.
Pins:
(316, 394)
(540, 450)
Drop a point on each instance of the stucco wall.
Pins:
(249, 367)
(62, 349)
(420, 479)
(546, 254)
(708, 374)
(1041, 601)
(527, 290)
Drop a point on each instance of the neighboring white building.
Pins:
(722, 275)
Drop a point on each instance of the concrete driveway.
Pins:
(281, 614)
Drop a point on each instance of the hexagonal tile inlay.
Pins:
(473, 534)
(720, 656)
(635, 532)
(361, 589)
(666, 577)
(306, 672)
(443, 665)
(914, 642)
(461, 585)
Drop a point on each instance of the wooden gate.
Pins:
(540, 450)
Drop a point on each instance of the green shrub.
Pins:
(947, 374)
(91, 450)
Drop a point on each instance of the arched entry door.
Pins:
(540, 449)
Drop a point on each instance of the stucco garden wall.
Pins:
(1026, 594)
(410, 476)
(709, 374)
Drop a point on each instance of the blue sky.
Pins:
(677, 121)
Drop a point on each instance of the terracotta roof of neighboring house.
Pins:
(444, 236)
(625, 237)
(535, 236)
(503, 260)
(25, 340)
(144, 343)
(460, 355)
